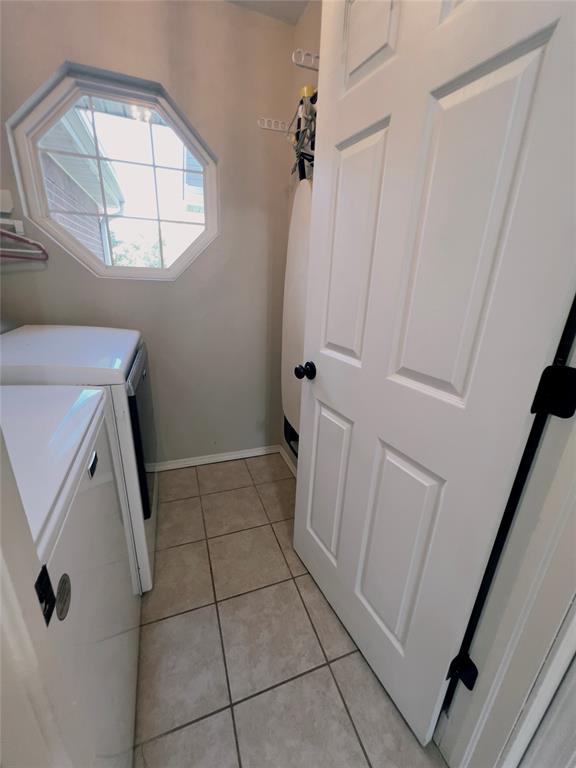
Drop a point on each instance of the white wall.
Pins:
(213, 334)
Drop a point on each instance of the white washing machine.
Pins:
(62, 446)
(117, 359)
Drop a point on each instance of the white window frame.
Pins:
(27, 126)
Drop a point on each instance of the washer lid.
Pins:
(67, 354)
(43, 428)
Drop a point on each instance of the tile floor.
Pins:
(243, 664)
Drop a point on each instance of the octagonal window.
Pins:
(119, 179)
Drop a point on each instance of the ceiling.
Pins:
(285, 10)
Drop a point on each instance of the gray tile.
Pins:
(278, 498)
(181, 674)
(334, 638)
(268, 638)
(224, 476)
(138, 758)
(301, 724)
(266, 468)
(150, 482)
(246, 560)
(178, 484)
(232, 511)
(181, 581)
(386, 737)
(207, 744)
(285, 533)
(179, 522)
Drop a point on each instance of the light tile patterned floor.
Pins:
(243, 664)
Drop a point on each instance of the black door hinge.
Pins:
(556, 393)
(46, 596)
(463, 668)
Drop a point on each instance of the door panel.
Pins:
(371, 33)
(360, 167)
(441, 272)
(332, 445)
(460, 217)
(402, 511)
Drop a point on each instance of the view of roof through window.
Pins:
(120, 180)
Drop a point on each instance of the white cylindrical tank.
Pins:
(295, 283)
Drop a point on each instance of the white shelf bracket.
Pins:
(306, 59)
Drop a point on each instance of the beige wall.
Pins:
(307, 36)
(214, 334)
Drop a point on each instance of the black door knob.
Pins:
(299, 372)
(307, 370)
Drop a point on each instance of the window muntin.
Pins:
(121, 181)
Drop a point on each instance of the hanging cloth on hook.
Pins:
(304, 135)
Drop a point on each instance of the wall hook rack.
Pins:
(270, 124)
(15, 247)
(306, 59)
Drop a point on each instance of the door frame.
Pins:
(549, 680)
(491, 726)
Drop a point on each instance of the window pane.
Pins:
(123, 130)
(176, 238)
(90, 231)
(180, 196)
(129, 189)
(168, 149)
(171, 152)
(73, 132)
(134, 243)
(71, 183)
(192, 163)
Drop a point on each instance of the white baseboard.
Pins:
(195, 461)
(288, 458)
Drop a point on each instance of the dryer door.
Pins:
(95, 624)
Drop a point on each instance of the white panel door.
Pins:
(442, 267)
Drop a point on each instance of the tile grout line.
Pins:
(205, 539)
(262, 500)
(208, 493)
(226, 490)
(243, 699)
(220, 535)
(256, 589)
(240, 530)
(180, 498)
(362, 747)
(216, 602)
(250, 474)
(278, 685)
(289, 679)
(180, 544)
(251, 484)
(226, 533)
(329, 664)
(184, 725)
(220, 600)
(144, 761)
(216, 536)
(234, 728)
(174, 615)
